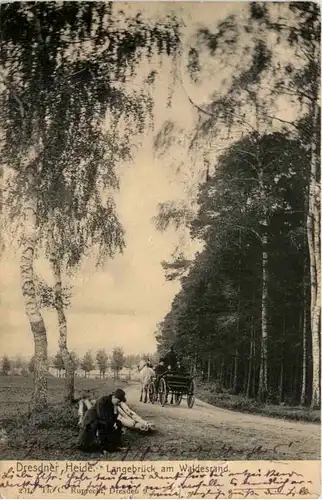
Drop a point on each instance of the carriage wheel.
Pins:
(163, 392)
(177, 399)
(191, 394)
(152, 392)
(191, 400)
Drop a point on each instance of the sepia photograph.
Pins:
(160, 277)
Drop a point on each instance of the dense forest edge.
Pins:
(247, 316)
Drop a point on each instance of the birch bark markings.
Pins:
(62, 322)
(37, 325)
(263, 382)
(313, 236)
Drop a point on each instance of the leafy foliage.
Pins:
(132, 360)
(69, 113)
(5, 365)
(102, 361)
(46, 295)
(58, 91)
(263, 182)
(58, 362)
(87, 363)
(215, 319)
(118, 359)
(176, 268)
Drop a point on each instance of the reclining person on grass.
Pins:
(100, 428)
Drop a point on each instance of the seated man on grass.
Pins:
(101, 430)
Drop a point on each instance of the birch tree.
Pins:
(57, 90)
(102, 361)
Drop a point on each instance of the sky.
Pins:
(122, 303)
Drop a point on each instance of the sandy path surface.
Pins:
(209, 432)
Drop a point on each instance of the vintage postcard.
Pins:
(160, 250)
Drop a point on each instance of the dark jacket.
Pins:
(159, 369)
(100, 427)
(170, 359)
(106, 410)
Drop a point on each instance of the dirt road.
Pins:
(204, 432)
(207, 432)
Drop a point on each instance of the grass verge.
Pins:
(53, 432)
(208, 394)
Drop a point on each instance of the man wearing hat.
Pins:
(100, 425)
(171, 359)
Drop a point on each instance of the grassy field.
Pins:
(203, 433)
(207, 393)
(51, 434)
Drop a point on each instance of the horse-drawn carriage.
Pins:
(176, 385)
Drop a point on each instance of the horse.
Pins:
(146, 374)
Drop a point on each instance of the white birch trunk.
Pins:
(62, 322)
(37, 325)
(313, 236)
(263, 382)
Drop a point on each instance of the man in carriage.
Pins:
(177, 381)
(171, 360)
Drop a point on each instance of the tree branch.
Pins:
(237, 226)
(282, 121)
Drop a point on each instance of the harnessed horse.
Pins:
(146, 374)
